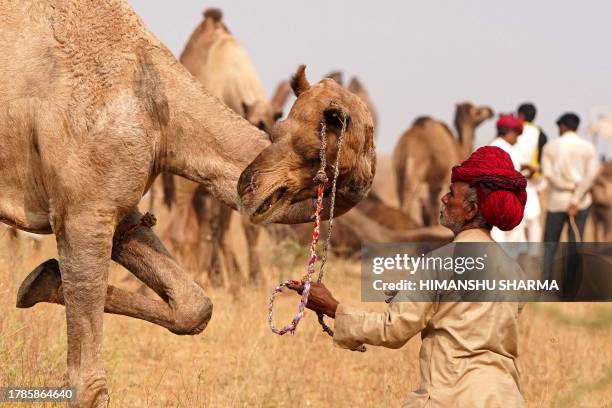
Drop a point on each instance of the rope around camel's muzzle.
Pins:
(306, 281)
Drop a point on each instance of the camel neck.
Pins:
(466, 138)
(208, 143)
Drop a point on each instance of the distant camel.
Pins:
(602, 204)
(424, 155)
(92, 108)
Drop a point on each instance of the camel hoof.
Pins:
(41, 285)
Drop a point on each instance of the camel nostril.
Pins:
(246, 181)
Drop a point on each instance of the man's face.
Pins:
(562, 129)
(453, 213)
(512, 137)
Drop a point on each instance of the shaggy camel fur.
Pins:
(424, 155)
(92, 108)
(198, 231)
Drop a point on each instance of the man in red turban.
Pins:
(500, 189)
(469, 350)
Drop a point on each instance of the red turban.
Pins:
(510, 122)
(500, 188)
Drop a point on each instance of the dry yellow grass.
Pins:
(566, 349)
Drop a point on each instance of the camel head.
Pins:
(467, 114)
(278, 185)
(261, 114)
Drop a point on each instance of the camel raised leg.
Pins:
(184, 309)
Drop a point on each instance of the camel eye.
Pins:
(333, 119)
(261, 125)
(313, 161)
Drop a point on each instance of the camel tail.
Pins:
(214, 14)
(169, 189)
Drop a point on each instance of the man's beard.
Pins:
(450, 222)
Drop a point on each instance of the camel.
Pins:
(424, 155)
(199, 226)
(92, 108)
(602, 204)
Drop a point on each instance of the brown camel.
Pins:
(198, 231)
(424, 155)
(92, 108)
(602, 204)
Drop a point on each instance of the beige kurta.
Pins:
(469, 351)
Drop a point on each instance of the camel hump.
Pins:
(214, 14)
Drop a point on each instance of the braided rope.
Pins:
(306, 280)
(321, 178)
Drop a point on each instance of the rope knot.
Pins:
(320, 177)
(148, 220)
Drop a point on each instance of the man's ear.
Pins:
(471, 211)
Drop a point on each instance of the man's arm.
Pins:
(392, 328)
(591, 170)
(354, 327)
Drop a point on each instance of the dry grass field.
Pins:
(566, 349)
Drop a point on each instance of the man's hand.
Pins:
(528, 170)
(320, 298)
(572, 210)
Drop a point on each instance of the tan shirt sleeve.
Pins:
(392, 329)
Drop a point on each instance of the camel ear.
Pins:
(336, 76)
(299, 83)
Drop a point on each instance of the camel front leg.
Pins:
(84, 244)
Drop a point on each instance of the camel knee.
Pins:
(193, 315)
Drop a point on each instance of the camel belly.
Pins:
(31, 220)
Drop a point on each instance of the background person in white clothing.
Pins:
(509, 127)
(530, 144)
(570, 166)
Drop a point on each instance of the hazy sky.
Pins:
(422, 58)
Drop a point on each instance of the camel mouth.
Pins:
(310, 194)
(269, 205)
